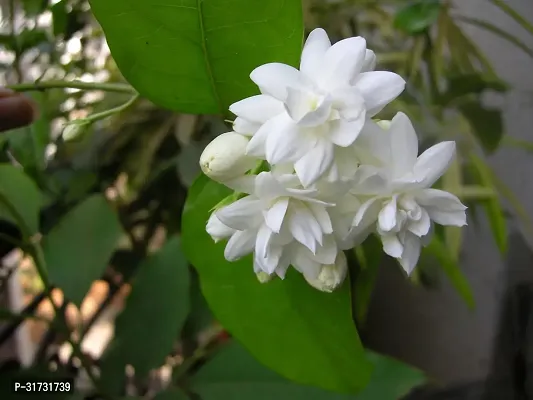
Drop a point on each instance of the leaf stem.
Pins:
(40, 86)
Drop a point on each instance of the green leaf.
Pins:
(60, 17)
(417, 16)
(233, 374)
(195, 56)
(79, 247)
(493, 206)
(200, 316)
(486, 124)
(33, 8)
(22, 194)
(391, 380)
(438, 250)
(282, 323)
(498, 32)
(510, 11)
(154, 314)
(369, 256)
(463, 85)
(171, 394)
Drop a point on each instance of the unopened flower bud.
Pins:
(263, 277)
(217, 230)
(331, 276)
(75, 130)
(224, 158)
(384, 124)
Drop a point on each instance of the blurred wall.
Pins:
(434, 330)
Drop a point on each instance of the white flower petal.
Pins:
(370, 61)
(267, 256)
(448, 218)
(258, 108)
(284, 142)
(275, 215)
(392, 245)
(217, 230)
(379, 88)
(404, 145)
(267, 187)
(242, 214)
(304, 263)
(283, 264)
(315, 163)
(387, 216)
(256, 145)
(343, 133)
(411, 253)
(373, 145)
(240, 244)
(274, 78)
(242, 184)
(304, 228)
(315, 48)
(245, 127)
(306, 108)
(349, 102)
(354, 238)
(439, 199)
(367, 214)
(421, 227)
(434, 162)
(342, 62)
(322, 217)
(327, 252)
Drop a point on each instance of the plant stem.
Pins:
(39, 86)
(110, 112)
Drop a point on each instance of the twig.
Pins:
(40, 86)
(20, 317)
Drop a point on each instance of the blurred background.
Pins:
(468, 68)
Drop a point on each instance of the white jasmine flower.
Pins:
(400, 204)
(303, 116)
(331, 276)
(224, 158)
(217, 230)
(277, 213)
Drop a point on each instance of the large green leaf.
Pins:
(475, 83)
(369, 256)
(486, 124)
(441, 254)
(305, 335)
(234, 375)
(195, 56)
(79, 247)
(417, 16)
(22, 194)
(171, 394)
(493, 206)
(153, 316)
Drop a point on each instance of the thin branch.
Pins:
(40, 86)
